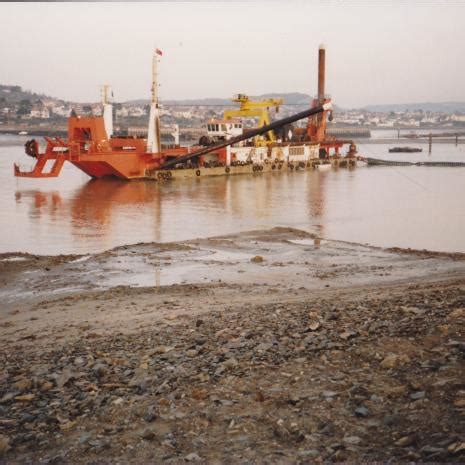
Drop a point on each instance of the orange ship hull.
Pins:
(89, 149)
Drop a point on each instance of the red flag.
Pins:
(158, 52)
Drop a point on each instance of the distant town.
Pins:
(26, 110)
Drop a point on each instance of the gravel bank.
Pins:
(241, 372)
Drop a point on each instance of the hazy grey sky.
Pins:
(377, 52)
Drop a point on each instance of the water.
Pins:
(416, 207)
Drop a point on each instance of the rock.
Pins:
(405, 441)
(352, 440)
(257, 259)
(391, 420)
(67, 425)
(150, 414)
(199, 394)
(329, 394)
(456, 447)
(192, 353)
(264, 346)
(362, 412)
(24, 384)
(8, 397)
(230, 363)
(161, 350)
(308, 453)
(192, 457)
(457, 313)
(25, 398)
(85, 438)
(394, 361)
(4, 444)
(46, 386)
(314, 326)
(66, 376)
(417, 395)
(100, 370)
(348, 335)
(148, 434)
(79, 361)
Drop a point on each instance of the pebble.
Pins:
(192, 457)
(417, 395)
(100, 370)
(148, 434)
(352, 440)
(362, 412)
(4, 444)
(393, 361)
(405, 441)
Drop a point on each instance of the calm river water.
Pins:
(416, 207)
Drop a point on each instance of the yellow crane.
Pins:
(256, 109)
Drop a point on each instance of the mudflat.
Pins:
(267, 346)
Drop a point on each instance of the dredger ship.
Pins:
(227, 149)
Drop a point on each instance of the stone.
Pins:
(148, 434)
(4, 444)
(264, 346)
(100, 370)
(457, 313)
(85, 438)
(8, 397)
(25, 397)
(161, 350)
(257, 259)
(199, 394)
(192, 457)
(362, 412)
(308, 453)
(405, 441)
(456, 447)
(314, 326)
(352, 440)
(46, 386)
(346, 335)
(417, 395)
(230, 363)
(24, 384)
(66, 376)
(150, 414)
(393, 361)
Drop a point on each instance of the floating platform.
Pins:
(446, 164)
(251, 168)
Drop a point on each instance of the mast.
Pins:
(153, 136)
(107, 110)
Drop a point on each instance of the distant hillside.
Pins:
(445, 107)
(294, 98)
(14, 94)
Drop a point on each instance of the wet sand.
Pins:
(267, 346)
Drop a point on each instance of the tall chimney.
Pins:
(321, 74)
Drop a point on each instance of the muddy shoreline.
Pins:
(269, 346)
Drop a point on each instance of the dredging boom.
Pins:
(250, 134)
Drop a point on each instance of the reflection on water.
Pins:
(388, 206)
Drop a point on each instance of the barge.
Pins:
(275, 146)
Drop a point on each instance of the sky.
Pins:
(376, 52)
